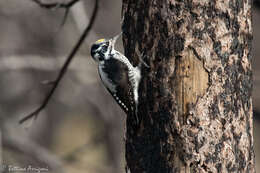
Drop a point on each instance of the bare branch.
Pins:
(56, 4)
(64, 68)
(64, 19)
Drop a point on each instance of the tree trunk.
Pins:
(195, 105)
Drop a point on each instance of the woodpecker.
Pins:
(118, 75)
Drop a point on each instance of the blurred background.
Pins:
(82, 128)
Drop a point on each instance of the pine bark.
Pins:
(195, 105)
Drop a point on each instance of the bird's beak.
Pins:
(114, 39)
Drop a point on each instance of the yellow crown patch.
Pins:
(100, 41)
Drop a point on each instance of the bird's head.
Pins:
(101, 49)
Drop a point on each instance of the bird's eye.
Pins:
(94, 47)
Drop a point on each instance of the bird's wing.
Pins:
(120, 87)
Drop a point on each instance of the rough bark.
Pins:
(195, 103)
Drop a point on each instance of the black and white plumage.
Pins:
(118, 75)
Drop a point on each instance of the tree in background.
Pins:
(195, 99)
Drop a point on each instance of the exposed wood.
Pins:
(191, 81)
